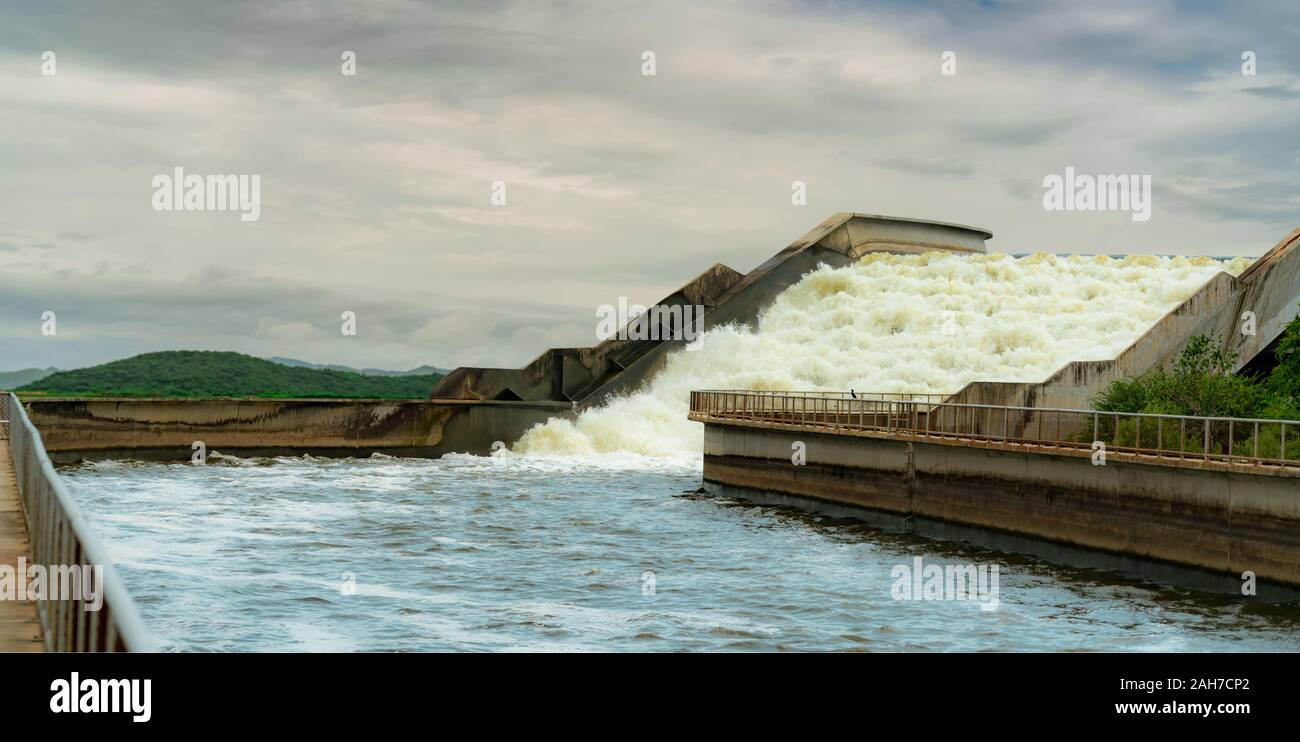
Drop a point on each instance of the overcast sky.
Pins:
(375, 188)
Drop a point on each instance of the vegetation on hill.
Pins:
(198, 373)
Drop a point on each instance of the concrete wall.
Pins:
(1220, 519)
(164, 429)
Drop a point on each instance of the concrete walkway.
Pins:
(20, 629)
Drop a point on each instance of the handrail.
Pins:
(61, 536)
(1234, 440)
(903, 396)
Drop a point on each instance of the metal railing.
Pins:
(1232, 440)
(61, 536)
(870, 396)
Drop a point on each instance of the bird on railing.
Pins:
(851, 394)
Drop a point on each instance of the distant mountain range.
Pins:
(417, 371)
(200, 373)
(15, 379)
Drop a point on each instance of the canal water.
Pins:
(618, 552)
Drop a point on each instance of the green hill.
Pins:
(201, 373)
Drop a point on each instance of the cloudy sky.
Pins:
(375, 188)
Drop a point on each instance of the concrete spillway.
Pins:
(587, 376)
(1269, 290)
(1212, 303)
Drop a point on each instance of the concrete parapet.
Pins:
(74, 429)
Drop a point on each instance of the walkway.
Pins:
(20, 629)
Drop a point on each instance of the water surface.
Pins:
(535, 553)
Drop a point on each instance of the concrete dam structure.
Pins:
(978, 458)
(586, 376)
(1016, 465)
(473, 410)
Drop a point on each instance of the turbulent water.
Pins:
(927, 323)
(538, 553)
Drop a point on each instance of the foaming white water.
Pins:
(928, 323)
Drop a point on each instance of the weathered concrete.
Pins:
(1221, 519)
(165, 429)
(591, 375)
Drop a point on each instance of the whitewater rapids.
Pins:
(928, 323)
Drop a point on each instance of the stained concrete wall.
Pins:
(1222, 519)
(164, 429)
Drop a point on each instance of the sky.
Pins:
(376, 188)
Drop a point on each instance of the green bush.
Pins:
(1283, 383)
(1201, 384)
